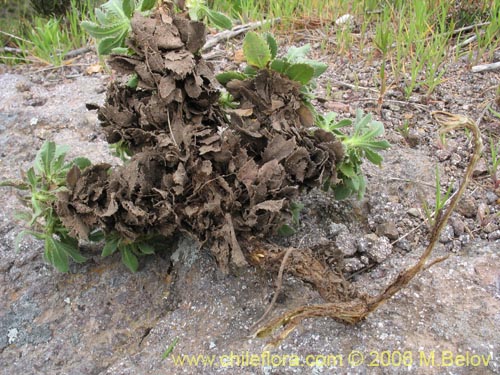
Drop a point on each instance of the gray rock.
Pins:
(335, 228)
(458, 226)
(415, 212)
(468, 207)
(490, 227)
(403, 244)
(380, 249)
(413, 138)
(491, 197)
(346, 243)
(443, 154)
(388, 229)
(375, 247)
(480, 169)
(352, 265)
(456, 159)
(447, 234)
(494, 236)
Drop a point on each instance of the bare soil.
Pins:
(101, 319)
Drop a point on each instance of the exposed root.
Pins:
(358, 308)
(279, 284)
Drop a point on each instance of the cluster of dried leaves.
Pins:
(225, 177)
(222, 177)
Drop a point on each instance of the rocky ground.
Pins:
(102, 319)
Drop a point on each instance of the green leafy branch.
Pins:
(198, 11)
(261, 51)
(363, 143)
(112, 24)
(42, 182)
(130, 251)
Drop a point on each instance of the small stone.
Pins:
(12, 335)
(493, 236)
(389, 230)
(335, 228)
(464, 239)
(352, 265)
(415, 212)
(458, 226)
(23, 86)
(455, 159)
(491, 197)
(346, 243)
(443, 155)
(37, 102)
(380, 249)
(467, 207)
(447, 234)
(413, 138)
(403, 244)
(490, 227)
(345, 20)
(480, 169)
(100, 89)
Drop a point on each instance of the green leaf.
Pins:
(319, 67)
(82, 163)
(44, 158)
(145, 248)
(347, 169)
(100, 32)
(295, 208)
(107, 44)
(21, 185)
(129, 258)
(121, 51)
(250, 71)
(273, 45)
(22, 215)
(295, 54)
(96, 236)
(170, 348)
(219, 19)
(286, 230)
(114, 9)
(302, 73)
(99, 15)
(55, 256)
(256, 50)
(225, 77)
(32, 178)
(147, 5)
(128, 7)
(111, 245)
(373, 157)
(70, 247)
(280, 65)
(362, 186)
(342, 191)
(133, 81)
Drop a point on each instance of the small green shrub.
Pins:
(41, 184)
